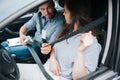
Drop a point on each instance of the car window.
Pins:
(57, 6)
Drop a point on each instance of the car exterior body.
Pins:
(109, 68)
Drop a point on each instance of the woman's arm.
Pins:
(54, 65)
(79, 69)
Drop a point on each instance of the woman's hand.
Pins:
(46, 48)
(54, 66)
(86, 41)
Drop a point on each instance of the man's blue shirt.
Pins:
(52, 27)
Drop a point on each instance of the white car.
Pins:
(14, 13)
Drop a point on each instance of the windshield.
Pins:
(9, 7)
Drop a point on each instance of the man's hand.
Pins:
(23, 38)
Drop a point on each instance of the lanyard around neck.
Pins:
(40, 22)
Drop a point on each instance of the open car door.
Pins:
(109, 68)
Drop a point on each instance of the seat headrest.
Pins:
(61, 3)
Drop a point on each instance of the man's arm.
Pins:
(22, 34)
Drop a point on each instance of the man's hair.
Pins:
(50, 1)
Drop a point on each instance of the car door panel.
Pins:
(13, 29)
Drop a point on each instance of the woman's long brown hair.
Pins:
(80, 11)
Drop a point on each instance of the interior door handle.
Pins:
(1, 31)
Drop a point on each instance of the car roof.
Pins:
(9, 7)
(17, 9)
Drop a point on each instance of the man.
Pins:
(47, 22)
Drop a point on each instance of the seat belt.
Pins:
(87, 27)
(38, 61)
(34, 54)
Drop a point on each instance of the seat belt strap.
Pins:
(87, 27)
(38, 61)
(83, 29)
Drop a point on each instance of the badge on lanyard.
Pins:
(44, 34)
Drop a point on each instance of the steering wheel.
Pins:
(8, 68)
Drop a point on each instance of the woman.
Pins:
(76, 56)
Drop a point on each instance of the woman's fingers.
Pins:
(56, 72)
(45, 44)
(54, 66)
(86, 41)
(46, 48)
